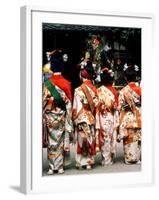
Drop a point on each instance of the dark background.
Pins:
(73, 40)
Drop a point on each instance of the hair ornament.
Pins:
(83, 64)
(111, 73)
(125, 67)
(65, 57)
(136, 68)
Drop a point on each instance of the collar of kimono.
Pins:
(56, 76)
(114, 91)
(57, 73)
(135, 88)
(90, 85)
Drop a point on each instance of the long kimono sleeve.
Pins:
(98, 136)
(44, 97)
(115, 124)
(121, 103)
(44, 103)
(68, 124)
(116, 110)
(77, 107)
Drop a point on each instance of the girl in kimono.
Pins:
(130, 117)
(107, 117)
(57, 117)
(84, 109)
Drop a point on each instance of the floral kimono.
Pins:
(106, 123)
(130, 122)
(84, 108)
(57, 121)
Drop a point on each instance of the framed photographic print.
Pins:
(86, 116)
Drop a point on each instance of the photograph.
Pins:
(91, 99)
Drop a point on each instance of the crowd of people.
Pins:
(94, 118)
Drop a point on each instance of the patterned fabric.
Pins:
(84, 121)
(57, 123)
(130, 121)
(106, 123)
(132, 146)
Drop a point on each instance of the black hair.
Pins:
(130, 74)
(130, 61)
(57, 63)
(89, 68)
(106, 79)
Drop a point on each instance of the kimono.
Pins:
(84, 108)
(57, 119)
(130, 122)
(106, 123)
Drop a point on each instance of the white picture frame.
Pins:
(32, 180)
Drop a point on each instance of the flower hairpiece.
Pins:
(48, 56)
(83, 64)
(125, 67)
(111, 73)
(65, 57)
(136, 68)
